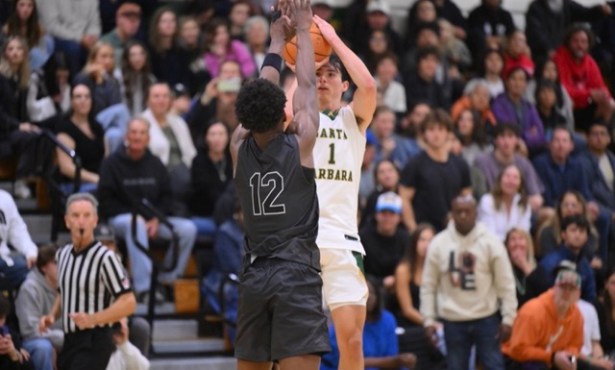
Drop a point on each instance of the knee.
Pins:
(41, 348)
(354, 341)
(186, 229)
(120, 225)
(191, 229)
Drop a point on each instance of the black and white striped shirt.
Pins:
(88, 280)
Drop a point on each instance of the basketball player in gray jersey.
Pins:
(280, 315)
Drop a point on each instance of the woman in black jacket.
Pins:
(211, 173)
(18, 134)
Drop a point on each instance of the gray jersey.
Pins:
(279, 202)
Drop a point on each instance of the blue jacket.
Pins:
(558, 179)
(596, 181)
(550, 262)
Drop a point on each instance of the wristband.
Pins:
(272, 60)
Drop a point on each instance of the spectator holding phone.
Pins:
(217, 102)
(11, 356)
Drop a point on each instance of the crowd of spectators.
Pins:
(521, 120)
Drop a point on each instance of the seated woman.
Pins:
(135, 77)
(239, 14)
(521, 254)
(491, 72)
(506, 207)
(453, 48)
(380, 346)
(408, 276)
(512, 107)
(548, 72)
(19, 132)
(391, 92)
(97, 74)
(220, 47)
(83, 135)
(23, 22)
(476, 98)
(171, 142)
(471, 135)
(189, 43)
(217, 101)
(517, 53)
(549, 234)
(552, 116)
(211, 173)
(378, 45)
(107, 104)
(169, 62)
(546, 104)
(386, 176)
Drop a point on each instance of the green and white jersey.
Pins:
(338, 155)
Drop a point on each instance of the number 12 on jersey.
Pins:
(273, 181)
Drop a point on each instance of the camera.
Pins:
(4, 330)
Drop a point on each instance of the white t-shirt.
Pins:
(591, 326)
(338, 155)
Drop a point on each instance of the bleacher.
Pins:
(189, 337)
(180, 340)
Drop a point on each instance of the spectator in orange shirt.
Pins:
(548, 330)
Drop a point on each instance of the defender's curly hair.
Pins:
(260, 105)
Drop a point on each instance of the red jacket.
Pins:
(522, 61)
(578, 77)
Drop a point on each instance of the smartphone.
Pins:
(4, 330)
(229, 85)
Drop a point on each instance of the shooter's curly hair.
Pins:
(260, 105)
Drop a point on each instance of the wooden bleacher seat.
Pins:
(7, 168)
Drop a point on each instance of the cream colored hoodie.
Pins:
(467, 277)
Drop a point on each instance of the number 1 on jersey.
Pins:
(332, 153)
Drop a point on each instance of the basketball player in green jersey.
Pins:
(338, 155)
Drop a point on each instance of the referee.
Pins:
(90, 277)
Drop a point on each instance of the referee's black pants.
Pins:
(86, 349)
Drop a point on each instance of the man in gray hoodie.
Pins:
(34, 300)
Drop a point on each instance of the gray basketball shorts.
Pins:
(279, 313)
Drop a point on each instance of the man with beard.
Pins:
(582, 79)
(546, 22)
(548, 330)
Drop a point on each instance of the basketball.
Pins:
(322, 49)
